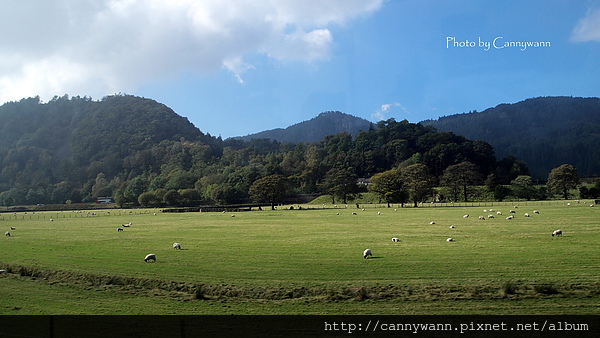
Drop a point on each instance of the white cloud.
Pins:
(388, 108)
(588, 28)
(88, 47)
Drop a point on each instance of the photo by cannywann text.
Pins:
(498, 42)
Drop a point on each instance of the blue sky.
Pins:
(235, 67)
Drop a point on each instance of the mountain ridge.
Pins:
(545, 132)
(315, 129)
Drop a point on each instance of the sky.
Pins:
(237, 67)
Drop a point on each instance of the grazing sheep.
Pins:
(125, 225)
(367, 253)
(526, 214)
(338, 213)
(176, 246)
(536, 211)
(432, 223)
(516, 207)
(8, 234)
(499, 213)
(513, 212)
(490, 216)
(482, 218)
(452, 227)
(465, 216)
(12, 228)
(150, 257)
(379, 213)
(491, 210)
(591, 205)
(568, 204)
(510, 217)
(557, 233)
(232, 215)
(119, 229)
(51, 220)
(450, 239)
(354, 213)
(395, 239)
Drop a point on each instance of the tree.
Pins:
(146, 199)
(522, 187)
(340, 183)
(172, 197)
(389, 186)
(459, 177)
(270, 189)
(418, 182)
(562, 179)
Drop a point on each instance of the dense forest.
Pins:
(544, 132)
(74, 149)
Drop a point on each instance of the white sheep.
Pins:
(452, 227)
(491, 210)
(232, 215)
(12, 228)
(513, 212)
(7, 234)
(536, 211)
(125, 225)
(367, 253)
(499, 213)
(176, 246)
(432, 222)
(482, 218)
(354, 213)
(557, 233)
(119, 229)
(465, 216)
(510, 217)
(526, 214)
(395, 239)
(379, 213)
(490, 216)
(150, 257)
(450, 239)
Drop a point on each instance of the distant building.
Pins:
(105, 200)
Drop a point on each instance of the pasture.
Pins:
(304, 262)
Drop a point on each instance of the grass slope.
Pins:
(304, 261)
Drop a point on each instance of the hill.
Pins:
(314, 130)
(140, 152)
(544, 132)
(72, 140)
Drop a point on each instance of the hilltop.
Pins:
(544, 132)
(315, 129)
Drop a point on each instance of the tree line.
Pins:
(140, 152)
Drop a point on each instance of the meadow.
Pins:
(305, 261)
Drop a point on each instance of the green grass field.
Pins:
(304, 262)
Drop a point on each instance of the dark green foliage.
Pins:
(544, 132)
(140, 152)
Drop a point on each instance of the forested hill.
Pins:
(314, 130)
(544, 132)
(139, 151)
